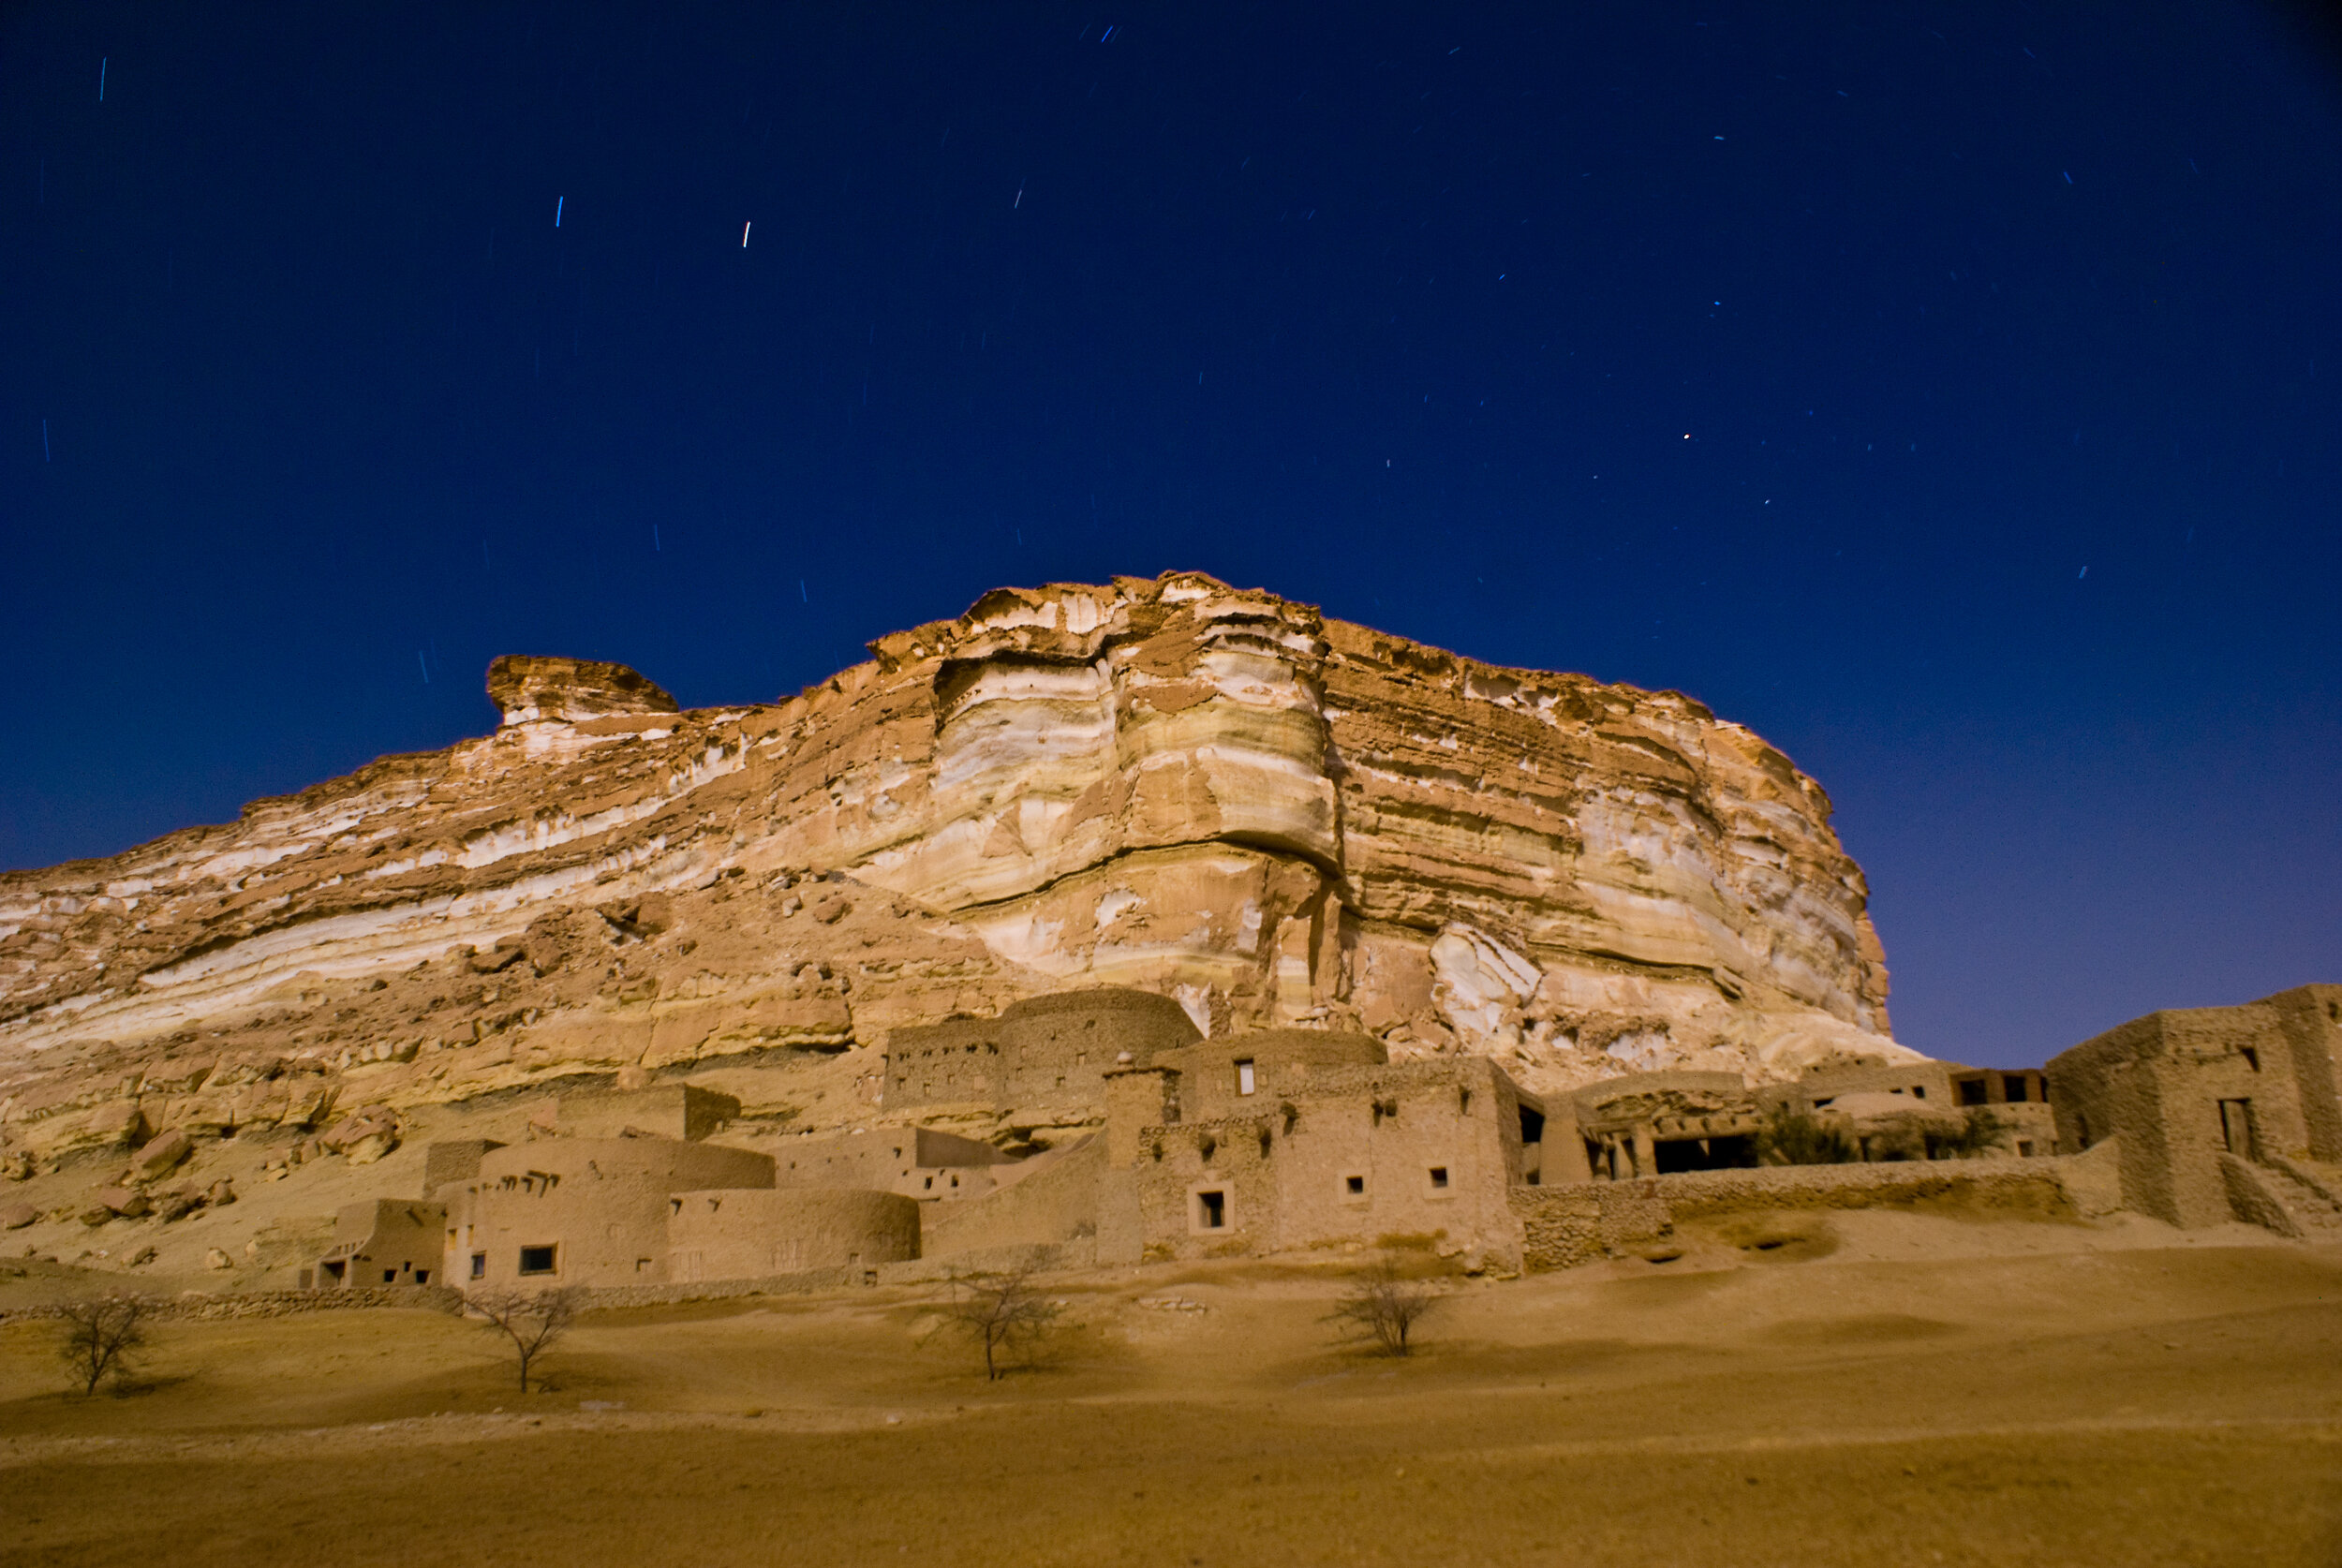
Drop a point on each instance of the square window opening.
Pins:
(2012, 1089)
(480, 1265)
(1439, 1178)
(536, 1260)
(1211, 1210)
(1354, 1185)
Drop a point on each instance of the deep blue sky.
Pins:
(1948, 391)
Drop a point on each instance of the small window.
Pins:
(1354, 1184)
(389, 1275)
(2252, 1057)
(480, 1265)
(422, 1276)
(1971, 1091)
(536, 1260)
(2025, 1149)
(930, 1187)
(1244, 1084)
(1439, 1178)
(1918, 1091)
(1211, 1210)
(2012, 1089)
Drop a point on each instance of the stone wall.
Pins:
(206, 1306)
(1423, 1149)
(751, 1234)
(603, 1204)
(2160, 1081)
(1044, 1058)
(1566, 1227)
(1055, 1202)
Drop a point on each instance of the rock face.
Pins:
(1213, 794)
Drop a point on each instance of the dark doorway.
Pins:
(1706, 1154)
(1211, 1210)
(2236, 1128)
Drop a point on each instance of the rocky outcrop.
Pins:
(527, 689)
(1215, 794)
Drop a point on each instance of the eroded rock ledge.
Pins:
(1212, 794)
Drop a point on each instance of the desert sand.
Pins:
(1863, 1387)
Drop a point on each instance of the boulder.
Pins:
(178, 1204)
(215, 1259)
(221, 1194)
(119, 1125)
(127, 1202)
(17, 1216)
(163, 1155)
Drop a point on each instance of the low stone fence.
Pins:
(1043, 1256)
(207, 1305)
(1566, 1227)
(607, 1297)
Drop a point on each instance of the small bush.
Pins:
(532, 1321)
(1979, 1129)
(1383, 1306)
(1788, 1137)
(999, 1312)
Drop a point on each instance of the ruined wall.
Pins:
(603, 1204)
(740, 1234)
(1044, 1058)
(1423, 1149)
(919, 1163)
(1562, 1227)
(2157, 1082)
(1284, 1062)
(1054, 1204)
(2309, 1020)
(684, 1112)
(386, 1241)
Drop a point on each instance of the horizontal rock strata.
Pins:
(1214, 795)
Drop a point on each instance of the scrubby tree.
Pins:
(532, 1320)
(1979, 1129)
(1383, 1306)
(1792, 1137)
(99, 1337)
(999, 1312)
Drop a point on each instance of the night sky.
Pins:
(1950, 393)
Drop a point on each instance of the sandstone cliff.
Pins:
(1213, 793)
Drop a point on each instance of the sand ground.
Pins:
(1886, 1389)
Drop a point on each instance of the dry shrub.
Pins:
(533, 1322)
(999, 1312)
(99, 1336)
(1383, 1306)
